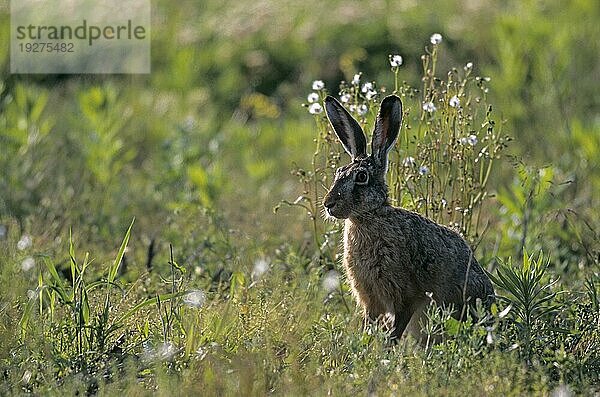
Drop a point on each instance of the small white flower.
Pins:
(367, 87)
(315, 108)
(166, 351)
(423, 170)
(331, 281)
(198, 270)
(352, 108)
(356, 79)
(371, 94)
(409, 161)
(32, 294)
(472, 140)
(468, 66)
(27, 264)
(189, 123)
(318, 85)
(562, 390)
(345, 98)
(261, 266)
(454, 102)
(24, 243)
(395, 60)
(385, 362)
(147, 352)
(487, 79)
(435, 39)
(429, 107)
(362, 110)
(26, 376)
(195, 298)
(463, 141)
(513, 347)
(312, 97)
(489, 338)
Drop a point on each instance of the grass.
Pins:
(210, 291)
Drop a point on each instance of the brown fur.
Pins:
(395, 258)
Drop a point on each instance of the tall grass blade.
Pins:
(112, 272)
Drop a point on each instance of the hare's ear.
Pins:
(346, 128)
(387, 127)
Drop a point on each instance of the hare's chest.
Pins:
(366, 257)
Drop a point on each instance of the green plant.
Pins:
(529, 291)
(24, 130)
(79, 318)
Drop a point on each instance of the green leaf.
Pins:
(24, 321)
(58, 286)
(112, 272)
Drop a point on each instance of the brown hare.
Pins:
(396, 260)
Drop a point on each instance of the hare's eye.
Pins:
(361, 177)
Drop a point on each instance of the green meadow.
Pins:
(163, 233)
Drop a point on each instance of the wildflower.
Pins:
(189, 123)
(352, 108)
(195, 298)
(385, 362)
(468, 66)
(345, 98)
(367, 87)
(318, 85)
(395, 60)
(315, 108)
(435, 39)
(423, 170)
(561, 390)
(454, 102)
(27, 264)
(24, 243)
(429, 294)
(371, 94)
(261, 266)
(463, 141)
(513, 347)
(26, 376)
(356, 79)
(312, 97)
(409, 161)
(331, 281)
(166, 351)
(472, 140)
(490, 337)
(429, 107)
(362, 110)
(32, 294)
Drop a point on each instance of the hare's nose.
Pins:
(329, 202)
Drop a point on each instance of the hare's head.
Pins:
(360, 187)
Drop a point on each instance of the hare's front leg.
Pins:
(401, 320)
